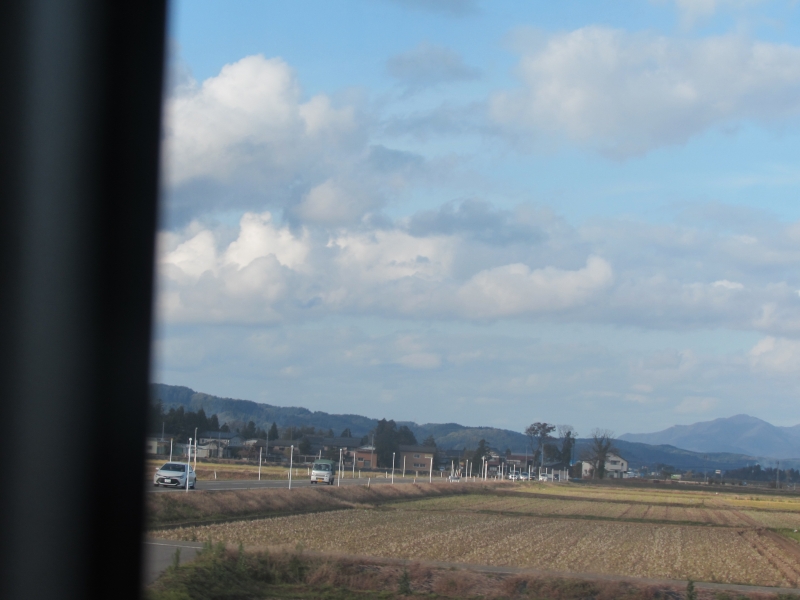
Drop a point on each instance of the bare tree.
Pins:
(596, 454)
(538, 433)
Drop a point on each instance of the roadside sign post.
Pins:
(404, 467)
(291, 457)
(260, 452)
(392, 468)
(339, 472)
(188, 464)
(195, 448)
(430, 475)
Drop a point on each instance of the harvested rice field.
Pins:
(718, 554)
(703, 514)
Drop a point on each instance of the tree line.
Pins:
(549, 449)
(756, 473)
(181, 423)
(548, 443)
(387, 437)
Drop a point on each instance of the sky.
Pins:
(489, 213)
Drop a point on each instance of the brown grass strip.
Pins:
(202, 507)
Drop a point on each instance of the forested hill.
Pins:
(239, 412)
(231, 411)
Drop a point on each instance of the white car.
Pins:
(323, 471)
(173, 474)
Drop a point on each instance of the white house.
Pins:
(616, 467)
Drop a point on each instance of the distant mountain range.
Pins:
(717, 447)
(740, 434)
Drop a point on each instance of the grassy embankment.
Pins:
(166, 510)
(221, 572)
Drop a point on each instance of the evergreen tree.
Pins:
(156, 416)
(249, 431)
(481, 452)
(273, 431)
(201, 420)
(346, 433)
(385, 442)
(406, 437)
(429, 442)
(567, 435)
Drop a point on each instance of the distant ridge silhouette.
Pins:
(741, 434)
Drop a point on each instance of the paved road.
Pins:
(251, 484)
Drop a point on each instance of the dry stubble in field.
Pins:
(536, 505)
(629, 549)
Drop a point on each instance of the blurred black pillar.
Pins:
(80, 84)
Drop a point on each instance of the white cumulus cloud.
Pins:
(778, 355)
(625, 94)
(516, 289)
(250, 115)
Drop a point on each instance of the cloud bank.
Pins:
(625, 94)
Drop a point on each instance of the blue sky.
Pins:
(485, 212)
